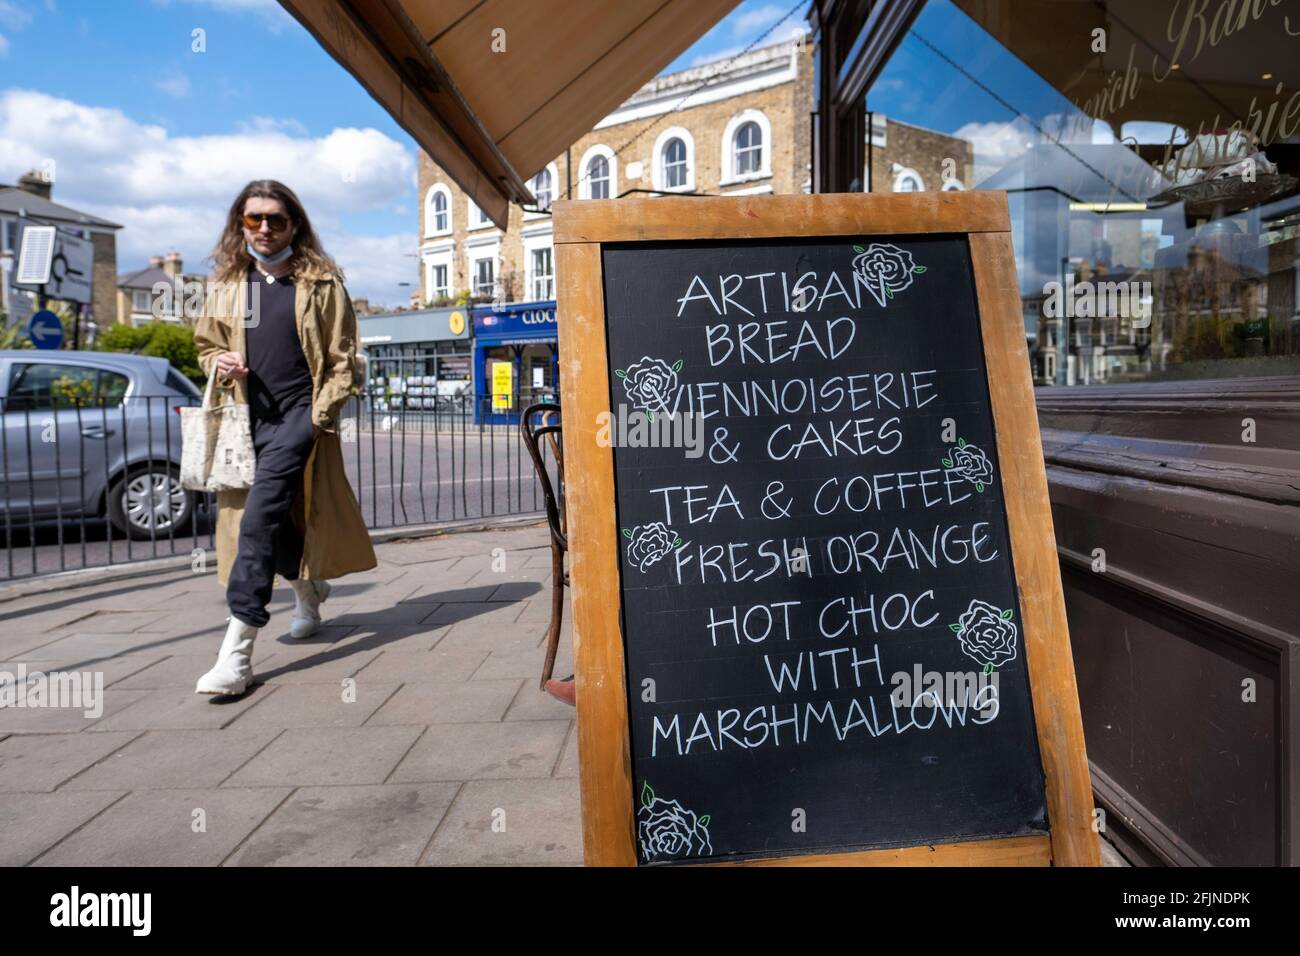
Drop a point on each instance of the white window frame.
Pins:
(476, 217)
(674, 132)
(532, 240)
(430, 229)
(555, 190)
(135, 301)
(903, 173)
(477, 250)
(584, 183)
(729, 147)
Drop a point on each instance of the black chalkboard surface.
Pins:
(824, 647)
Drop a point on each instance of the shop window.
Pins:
(1155, 211)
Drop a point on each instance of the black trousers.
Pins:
(269, 543)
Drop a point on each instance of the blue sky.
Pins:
(146, 132)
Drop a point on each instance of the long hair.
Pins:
(231, 261)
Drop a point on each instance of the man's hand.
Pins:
(231, 364)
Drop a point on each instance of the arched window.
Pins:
(674, 164)
(598, 177)
(543, 189)
(748, 150)
(908, 181)
(437, 211)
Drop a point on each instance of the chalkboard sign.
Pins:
(817, 607)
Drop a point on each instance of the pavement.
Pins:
(409, 730)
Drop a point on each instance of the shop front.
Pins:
(1150, 152)
(516, 360)
(417, 361)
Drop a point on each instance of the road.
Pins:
(400, 479)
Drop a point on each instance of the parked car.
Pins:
(93, 434)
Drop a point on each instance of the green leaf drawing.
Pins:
(955, 628)
(647, 795)
(919, 269)
(947, 462)
(650, 416)
(889, 293)
(961, 443)
(677, 366)
(677, 541)
(704, 820)
(858, 249)
(979, 486)
(620, 373)
(627, 534)
(1006, 615)
(988, 668)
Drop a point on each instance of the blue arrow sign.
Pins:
(45, 330)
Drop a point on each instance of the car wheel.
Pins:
(149, 501)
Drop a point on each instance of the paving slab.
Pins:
(69, 720)
(179, 708)
(196, 827)
(439, 664)
(511, 823)
(384, 825)
(40, 762)
(484, 751)
(33, 824)
(443, 702)
(174, 759)
(319, 705)
(323, 756)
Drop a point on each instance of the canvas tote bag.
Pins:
(216, 444)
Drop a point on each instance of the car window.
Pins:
(41, 385)
(178, 382)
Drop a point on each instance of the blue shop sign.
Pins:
(517, 323)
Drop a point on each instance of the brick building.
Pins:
(742, 130)
(137, 301)
(902, 158)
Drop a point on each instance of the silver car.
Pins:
(90, 435)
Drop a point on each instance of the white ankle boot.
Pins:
(307, 598)
(234, 670)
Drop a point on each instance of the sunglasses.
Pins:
(277, 221)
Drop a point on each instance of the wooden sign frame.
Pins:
(581, 227)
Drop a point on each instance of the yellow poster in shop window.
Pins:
(503, 386)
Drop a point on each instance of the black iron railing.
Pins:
(85, 485)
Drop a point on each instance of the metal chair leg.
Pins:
(557, 612)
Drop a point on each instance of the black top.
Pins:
(278, 375)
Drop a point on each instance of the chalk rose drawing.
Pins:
(650, 543)
(886, 269)
(666, 829)
(987, 634)
(650, 383)
(971, 463)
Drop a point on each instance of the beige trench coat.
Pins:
(336, 541)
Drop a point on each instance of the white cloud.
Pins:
(755, 21)
(175, 84)
(14, 15)
(4, 45)
(270, 11)
(996, 143)
(173, 191)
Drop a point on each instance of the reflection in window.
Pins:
(1152, 240)
(542, 189)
